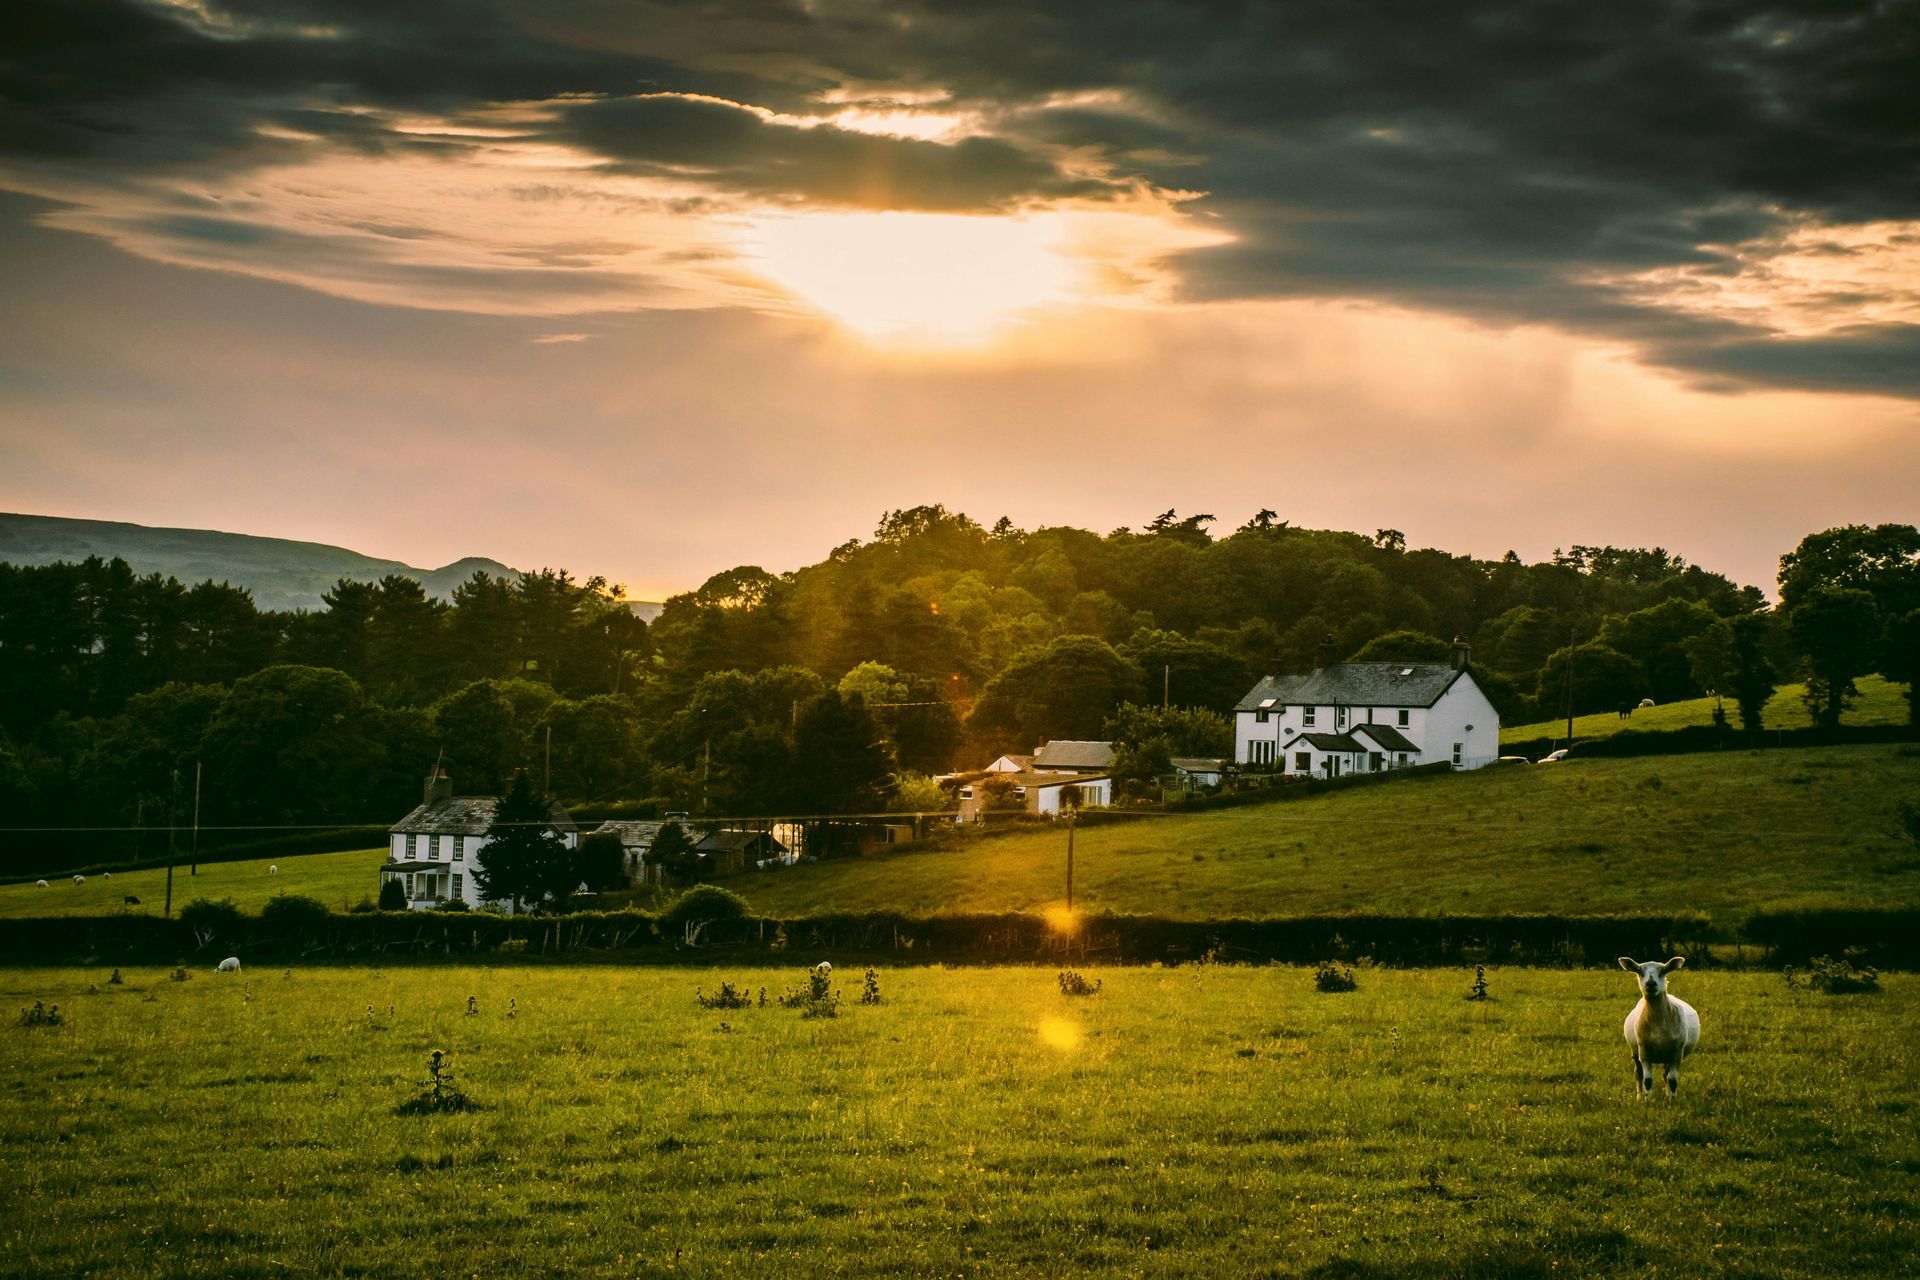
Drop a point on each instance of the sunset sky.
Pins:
(651, 290)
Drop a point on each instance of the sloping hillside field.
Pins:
(1202, 1121)
(1726, 833)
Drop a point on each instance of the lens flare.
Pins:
(1060, 1034)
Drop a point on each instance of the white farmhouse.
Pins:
(436, 848)
(1040, 781)
(1365, 717)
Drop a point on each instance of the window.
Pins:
(1265, 709)
(459, 849)
(1456, 755)
(1374, 760)
(1260, 716)
(408, 879)
(1306, 716)
(1303, 761)
(410, 840)
(1405, 717)
(1259, 753)
(1340, 716)
(456, 884)
(1401, 758)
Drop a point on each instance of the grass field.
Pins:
(1190, 1122)
(1725, 833)
(1879, 703)
(337, 879)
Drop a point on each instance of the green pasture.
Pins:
(338, 879)
(1727, 833)
(1201, 1121)
(1879, 703)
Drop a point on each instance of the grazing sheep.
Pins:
(131, 901)
(1645, 703)
(230, 965)
(1661, 1029)
(273, 868)
(40, 884)
(79, 879)
(106, 875)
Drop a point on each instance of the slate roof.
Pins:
(633, 835)
(1326, 741)
(1387, 736)
(735, 841)
(1070, 753)
(1198, 764)
(1356, 684)
(466, 816)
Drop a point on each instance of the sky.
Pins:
(650, 290)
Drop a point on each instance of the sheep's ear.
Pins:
(1678, 962)
(1628, 964)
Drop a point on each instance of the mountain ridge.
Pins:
(281, 573)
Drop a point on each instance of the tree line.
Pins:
(839, 687)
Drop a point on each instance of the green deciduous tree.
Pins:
(1900, 660)
(1837, 630)
(525, 861)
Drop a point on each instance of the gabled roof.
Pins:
(1357, 684)
(633, 835)
(1387, 736)
(1070, 753)
(735, 841)
(1326, 741)
(1198, 764)
(466, 816)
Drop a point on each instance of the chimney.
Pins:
(439, 788)
(1323, 657)
(1462, 655)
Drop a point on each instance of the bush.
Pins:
(1330, 976)
(454, 904)
(728, 997)
(294, 914)
(702, 903)
(1072, 984)
(214, 922)
(1843, 977)
(393, 894)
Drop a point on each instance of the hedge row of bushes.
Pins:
(710, 923)
(1706, 737)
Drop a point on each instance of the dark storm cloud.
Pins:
(1513, 162)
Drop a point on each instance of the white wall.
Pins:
(1461, 706)
(1046, 799)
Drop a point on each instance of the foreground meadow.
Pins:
(1200, 1121)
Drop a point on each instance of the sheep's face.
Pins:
(1652, 975)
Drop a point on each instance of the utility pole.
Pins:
(1071, 811)
(546, 775)
(706, 768)
(196, 820)
(1166, 686)
(167, 910)
(1570, 644)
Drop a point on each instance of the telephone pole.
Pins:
(1166, 686)
(195, 868)
(1071, 811)
(546, 773)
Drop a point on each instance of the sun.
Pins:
(919, 279)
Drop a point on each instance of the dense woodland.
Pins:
(838, 687)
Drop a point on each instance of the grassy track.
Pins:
(337, 879)
(1724, 833)
(1880, 703)
(1190, 1122)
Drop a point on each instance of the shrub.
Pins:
(725, 998)
(703, 903)
(1330, 976)
(1072, 984)
(393, 894)
(1842, 977)
(870, 989)
(293, 913)
(41, 1015)
(214, 922)
(816, 999)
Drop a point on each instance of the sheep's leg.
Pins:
(1642, 1076)
(1673, 1079)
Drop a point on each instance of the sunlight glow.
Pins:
(932, 279)
(1059, 1033)
(1062, 919)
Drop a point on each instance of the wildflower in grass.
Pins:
(1479, 991)
(726, 998)
(41, 1015)
(116, 979)
(473, 1005)
(180, 974)
(1332, 976)
(438, 1093)
(870, 989)
(1843, 977)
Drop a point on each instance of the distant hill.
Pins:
(281, 573)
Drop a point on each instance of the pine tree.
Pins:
(524, 860)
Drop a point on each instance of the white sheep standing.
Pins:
(79, 879)
(1662, 1028)
(106, 875)
(40, 884)
(230, 965)
(273, 868)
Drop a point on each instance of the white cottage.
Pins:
(435, 849)
(1040, 781)
(1366, 717)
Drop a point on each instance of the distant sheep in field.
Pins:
(79, 879)
(230, 965)
(1661, 1029)
(823, 969)
(106, 875)
(273, 868)
(130, 901)
(1645, 703)
(39, 884)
